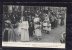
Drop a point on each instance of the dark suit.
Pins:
(31, 26)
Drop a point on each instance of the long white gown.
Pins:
(23, 29)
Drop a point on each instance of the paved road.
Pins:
(54, 35)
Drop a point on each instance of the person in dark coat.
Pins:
(31, 26)
(52, 20)
(62, 20)
(56, 22)
(5, 32)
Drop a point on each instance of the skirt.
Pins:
(38, 32)
(24, 35)
(12, 35)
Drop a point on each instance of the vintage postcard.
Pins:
(34, 26)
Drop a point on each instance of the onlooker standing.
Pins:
(62, 19)
(31, 26)
(52, 20)
(56, 22)
(38, 33)
(6, 31)
(46, 25)
(37, 26)
(17, 32)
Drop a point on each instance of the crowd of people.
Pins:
(31, 26)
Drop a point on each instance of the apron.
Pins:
(46, 26)
(37, 30)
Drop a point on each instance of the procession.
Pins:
(20, 23)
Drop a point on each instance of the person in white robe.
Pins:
(23, 29)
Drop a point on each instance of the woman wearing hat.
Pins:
(7, 32)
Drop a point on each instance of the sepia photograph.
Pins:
(38, 26)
